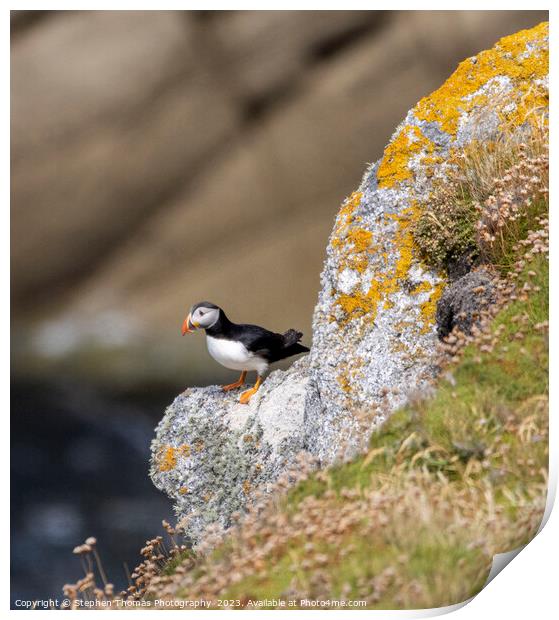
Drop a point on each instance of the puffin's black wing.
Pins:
(269, 345)
(259, 341)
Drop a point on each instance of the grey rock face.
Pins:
(374, 328)
(211, 452)
(373, 336)
(375, 323)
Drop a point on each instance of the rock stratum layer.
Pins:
(374, 331)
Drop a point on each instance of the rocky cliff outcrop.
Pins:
(211, 452)
(374, 327)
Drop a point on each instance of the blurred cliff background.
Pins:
(161, 158)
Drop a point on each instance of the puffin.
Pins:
(240, 346)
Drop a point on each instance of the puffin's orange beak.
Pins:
(186, 326)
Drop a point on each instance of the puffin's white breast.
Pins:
(234, 355)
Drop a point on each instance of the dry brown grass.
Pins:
(482, 165)
(492, 196)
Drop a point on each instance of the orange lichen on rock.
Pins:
(429, 307)
(422, 287)
(404, 239)
(346, 213)
(359, 239)
(359, 244)
(519, 57)
(166, 458)
(522, 59)
(431, 160)
(429, 163)
(350, 375)
(353, 242)
(357, 304)
(344, 382)
(386, 282)
(394, 167)
(516, 63)
(398, 346)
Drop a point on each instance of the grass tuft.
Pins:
(494, 194)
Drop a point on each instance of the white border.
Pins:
(526, 587)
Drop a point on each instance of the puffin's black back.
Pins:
(260, 341)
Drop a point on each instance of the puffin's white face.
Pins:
(201, 318)
(204, 317)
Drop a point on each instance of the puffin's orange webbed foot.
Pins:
(232, 386)
(248, 394)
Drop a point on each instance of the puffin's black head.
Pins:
(201, 316)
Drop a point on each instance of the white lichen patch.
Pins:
(348, 280)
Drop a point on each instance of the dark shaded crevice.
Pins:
(23, 21)
(255, 108)
(457, 267)
(341, 41)
(463, 302)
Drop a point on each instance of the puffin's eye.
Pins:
(202, 313)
